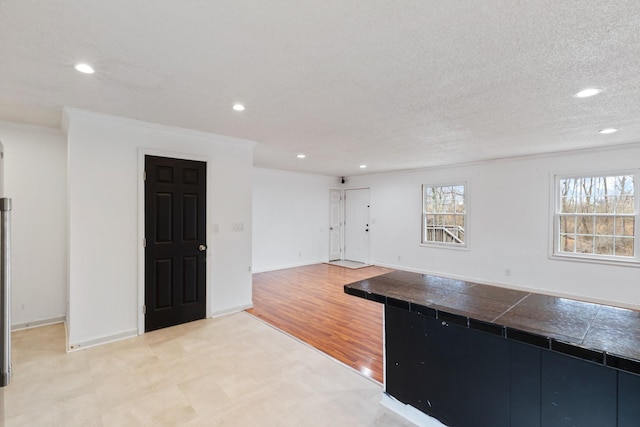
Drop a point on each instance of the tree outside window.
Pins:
(596, 216)
(443, 214)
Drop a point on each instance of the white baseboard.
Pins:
(134, 332)
(102, 340)
(284, 266)
(230, 310)
(37, 323)
(409, 413)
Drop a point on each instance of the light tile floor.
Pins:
(229, 371)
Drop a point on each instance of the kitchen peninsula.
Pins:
(475, 355)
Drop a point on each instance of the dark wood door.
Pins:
(175, 233)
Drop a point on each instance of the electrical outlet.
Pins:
(237, 226)
(507, 272)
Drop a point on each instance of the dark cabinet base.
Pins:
(628, 400)
(468, 377)
(524, 367)
(576, 392)
(409, 340)
(488, 380)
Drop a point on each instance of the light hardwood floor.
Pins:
(229, 371)
(309, 303)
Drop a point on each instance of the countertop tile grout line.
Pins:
(590, 325)
(509, 309)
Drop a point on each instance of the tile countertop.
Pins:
(595, 332)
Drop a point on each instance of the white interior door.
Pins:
(356, 225)
(335, 224)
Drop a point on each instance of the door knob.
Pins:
(202, 248)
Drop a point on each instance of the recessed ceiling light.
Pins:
(84, 68)
(301, 156)
(608, 131)
(585, 93)
(363, 166)
(238, 107)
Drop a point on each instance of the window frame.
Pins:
(555, 205)
(423, 214)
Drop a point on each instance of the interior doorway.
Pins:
(175, 241)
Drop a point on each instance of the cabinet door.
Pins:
(576, 392)
(487, 380)
(426, 364)
(404, 347)
(628, 399)
(445, 367)
(525, 385)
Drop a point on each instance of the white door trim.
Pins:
(341, 209)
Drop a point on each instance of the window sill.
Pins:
(445, 246)
(619, 263)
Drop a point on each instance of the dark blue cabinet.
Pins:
(628, 399)
(577, 392)
(488, 384)
(524, 367)
(426, 364)
(445, 372)
(403, 351)
(468, 377)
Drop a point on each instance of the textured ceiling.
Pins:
(389, 83)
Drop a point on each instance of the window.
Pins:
(596, 217)
(444, 215)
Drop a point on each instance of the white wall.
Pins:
(290, 219)
(105, 233)
(508, 226)
(35, 180)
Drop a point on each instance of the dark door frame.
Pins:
(142, 152)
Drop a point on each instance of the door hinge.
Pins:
(144, 175)
(144, 242)
(144, 309)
